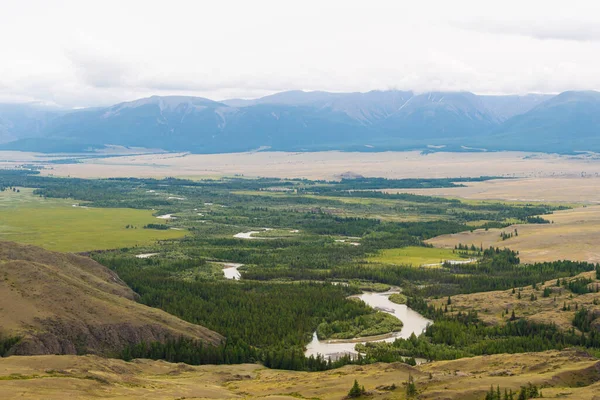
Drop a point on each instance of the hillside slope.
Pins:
(67, 304)
(567, 374)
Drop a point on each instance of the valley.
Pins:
(297, 274)
(316, 200)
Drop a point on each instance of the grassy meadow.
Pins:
(570, 374)
(56, 224)
(414, 255)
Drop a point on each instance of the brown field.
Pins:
(566, 374)
(318, 165)
(491, 305)
(574, 235)
(582, 190)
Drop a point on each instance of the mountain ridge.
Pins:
(315, 121)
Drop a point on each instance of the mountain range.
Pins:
(314, 121)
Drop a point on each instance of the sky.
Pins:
(81, 53)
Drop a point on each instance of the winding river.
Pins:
(412, 320)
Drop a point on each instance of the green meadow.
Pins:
(414, 255)
(56, 224)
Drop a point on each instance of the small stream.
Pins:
(250, 235)
(412, 320)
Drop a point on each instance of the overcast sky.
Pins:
(86, 53)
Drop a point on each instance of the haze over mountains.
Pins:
(313, 121)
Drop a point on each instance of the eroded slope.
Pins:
(68, 304)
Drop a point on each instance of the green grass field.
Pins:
(56, 224)
(414, 255)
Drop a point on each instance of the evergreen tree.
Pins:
(355, 391)
(411, 388)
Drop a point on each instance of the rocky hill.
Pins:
(68, 304)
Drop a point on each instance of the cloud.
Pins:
(99, 70)
(71, 56)
(577, 31)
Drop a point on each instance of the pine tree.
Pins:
(355, 391)
(411, 388)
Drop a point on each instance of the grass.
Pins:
(557, 372)
(573, 235)
(496, 307)
(370, 286)
(361, 207)
(40, 286)
(398, 298)
(56, 225)
(414, 255)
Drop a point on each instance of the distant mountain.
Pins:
(201, 125)
(365, 107)
(312, 121)
(25, 120)
(505, 107)
(441, 118)
(290, 98)
(567, 122)
(172, 123)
